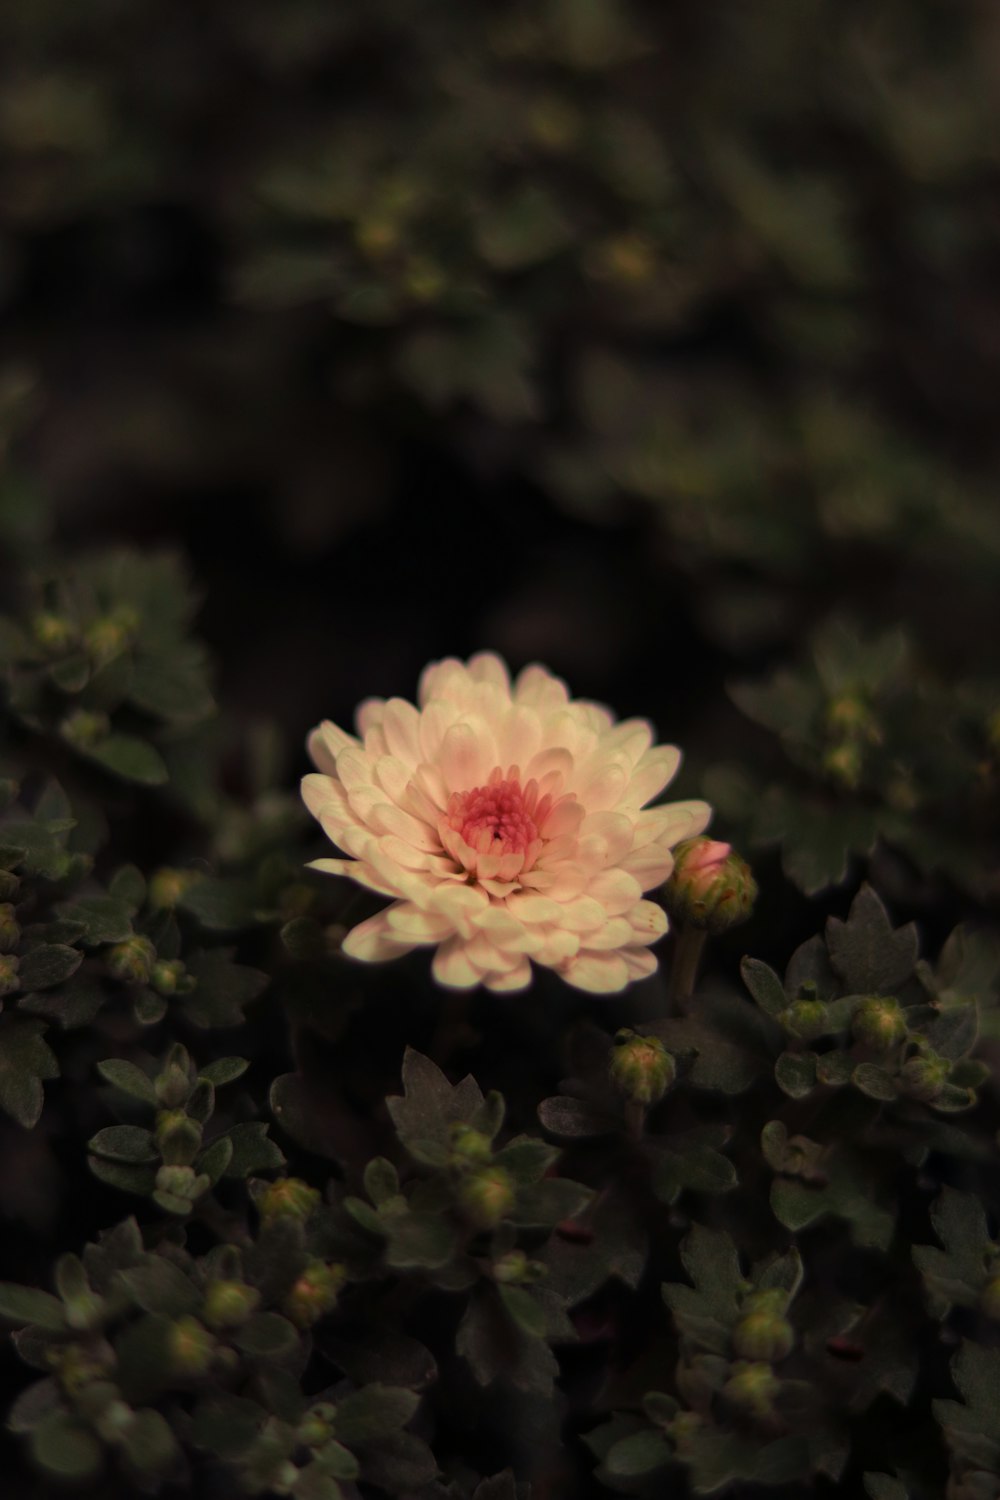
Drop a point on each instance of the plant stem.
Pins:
(635, 1118)
(684, 971)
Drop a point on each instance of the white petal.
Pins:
(615, 933)
(394, 776)
(451, 966)
(517, 979)
(468, 754)
(607, 836)
(409, 924)
(527, 907)
(518, 735)
(604, 790)
(616, 890)
(653, 772)
(648, 921)
(600, 973)
(357, 870)
(436, 719)
(325, 743)
(386, 817)
(372, 942)
(537, 687)
(368, 714)
(401, 727)
(639, 962)
(486, 666)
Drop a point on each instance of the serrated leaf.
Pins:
(381, 1180)
(524, 1309)
(549, 1202)
(253, 1150)
(222, 989)
(106, 919)
(870, 956)
(221, 903)
(430, 1105)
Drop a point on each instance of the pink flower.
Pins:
(508, 823)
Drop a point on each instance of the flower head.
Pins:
(508, 823)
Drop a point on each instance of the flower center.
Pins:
(501, 817)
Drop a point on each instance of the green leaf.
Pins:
(25, 1304)
(224, 1070)
(150, 1444)
(158, 1286)
(381, 1180)
(868, 954)
(367, 1416)
(48, 964)
(215, 1161)
(253, 1151)
(524, 1309)
(764, 985)
(430, 1105)
(63, 1445)
(25, 1060)
(549, 1202)
(874, 1081)
(699, 1168)
(105, 918)
(416, 1239)
(795, 1073)
(221, 904)
(34, 1404)
(126, 1143)
(266, 1336)
(128, 1179)
(885, 1487)
(642, 1453)
(526, 1159)
(128, 1078)
(130, 758)
(568, 1117)
(128, 885)
(223, 989)
(226, 1424)
(337, 1461)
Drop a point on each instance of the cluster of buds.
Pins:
(879, 1023)
(315, 1293)
(851, 728)
(484, 1191)
(288, 1198)
(711, 889)
(763, 1333)
(133, 960)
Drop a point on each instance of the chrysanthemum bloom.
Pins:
(508, 823)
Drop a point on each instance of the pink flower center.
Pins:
(501, 817)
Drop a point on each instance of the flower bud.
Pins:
(54, 633)
(178, 1137)
(879, 1023)
(9, 966)
(114, 1421)
(76, 1367)
(511, 1268)
(641, 1068)
(132, 961)
(10, 928)
(316, 1427)
(843, 763)
(469, 1147)
(771, 1300)
(181, 1182)
(923, 1078)
(107, 637)
(314, 1294)
(752, 1387)
(190, 1347)
(486, 1196)
(805, 1019)
(763, 1335)
(288, 1198)
(169, 977)
(711, 888)
(85, 728)
(173, 1086)
(228, 1304)
(989, 1298)
(166, 887)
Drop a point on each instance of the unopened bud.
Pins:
(190, 1347)
(486, 1196)
(173, 1086)
(469, 1147)
(711, 888)
(843, 763)
(511, 1268)
(9, 966)
(114, 1421)
(805, 1019)
(10, 928)
(641, 1068)
(923, 1078)
(167, 886)
(85, 728)
(228, 1304)
(169, 977)
(752, 1387)
(314, 1294)
(879, 1023)
(768, 1300)
(54, 633)
(178, 1137)
(107, 637)
(132, 961)
(316, 1427)
(288, 1198)
(763, 1335)
(181, 1182)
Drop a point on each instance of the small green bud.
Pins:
(684, 1431)
(228, 1304)
(989, 1298)
(76, 1367)
(10, 928)
(486, 1196)
(850, 717)
(107, 637)
(132, 961)
(167, 887)
(288, 1198)
(190, 1347)
(178, 1137)
(843, 763)
(169, 977)
(752, 1387)
(173, 1086)
(181, 1182)
(85, 728)
(879, 1023)
(316, 1427)
(805, 1019)
(54, 633)
(511, 1268)
(9, 966)
(770, 1300)
(923, 1078)
(711, 888)
(314, 1294)
(469, 1147)
(763, 1335)
(641, 1068)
